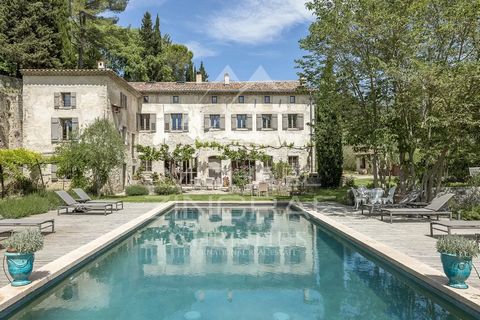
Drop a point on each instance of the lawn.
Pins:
(336, 195)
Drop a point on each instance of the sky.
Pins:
(253, 40)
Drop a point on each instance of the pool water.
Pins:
(235, 263)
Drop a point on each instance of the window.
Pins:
(293, 162)
(177, 121)
(124, 135)
(292, 99)
(176, 99)
(123, 100)
(266, 99)
(67, 129)
(147, 165)
(266, 121)
(268, 162)
(132, 146)
(292, 121)
(241, 121)
(146, 99)
(66, 100)
(241, 99)
(146, 122)
(214, 99)
(214, 121)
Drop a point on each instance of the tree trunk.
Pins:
(375, 168)
(2, 181)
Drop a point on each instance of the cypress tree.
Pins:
(328, 133)
(203, 72)
(146, 34)
(157, 37)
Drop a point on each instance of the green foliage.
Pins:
(281, 170)
(35, 203)
(167, 186)
(32, 35)
(91, 159)
(328, 134)
(25, 241)
(136, 190)
(203, 72)
(349, 182)
(471, 213)
(409, 95)
(241, 177)
(458, 245)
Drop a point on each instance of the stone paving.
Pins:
(409, 236)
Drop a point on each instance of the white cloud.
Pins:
(200, 51)
(253, 21)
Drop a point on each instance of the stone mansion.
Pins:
(55, 103)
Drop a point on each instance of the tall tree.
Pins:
(328, 133)
(32, 35)
(146, 34)
(190, 73)
(203, 71)
(157, 38)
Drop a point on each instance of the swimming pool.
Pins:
(231, 262)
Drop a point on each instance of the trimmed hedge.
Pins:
(167, 187)
(136, 190)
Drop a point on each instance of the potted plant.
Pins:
(456, 255)
(21, 247)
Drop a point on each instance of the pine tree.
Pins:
(328, 134)
(146, 34)
(157, 37)
(29, 34)
(190, 72)
(203, 72)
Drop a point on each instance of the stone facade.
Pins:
(57, 103)
(274, 114)
(10, 113)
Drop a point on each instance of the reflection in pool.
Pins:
(235, 263)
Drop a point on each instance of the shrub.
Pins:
(349, 182)
(471, 214)
(136, 190)
(35, 203)
(459, 246)
(26, 241)
(241, 177)
(167, 186)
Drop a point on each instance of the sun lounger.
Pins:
(38, 223)
(85, 198)
(81, 207)
(433, 209)
(448, 226)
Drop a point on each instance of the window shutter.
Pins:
(234, 122)
(138, 121)
(259, 122)
(75, 129)
(206, 122)
(300, 121)
(53, 172)
(275, 121)
(167, 122)
(249, 122)
(153, 122)
(73, 97)
(56, 130)
(185, 122)
(222, 122)
(57, 99)
(284, 121)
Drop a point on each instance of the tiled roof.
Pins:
(220, 87)
(80, 72)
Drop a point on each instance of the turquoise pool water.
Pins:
(235, 263)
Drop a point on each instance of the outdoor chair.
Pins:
(359, 198)
(433, 209)
(28, 222)
(81, 207)
(85, 198)
(263, 188)
(209, 183)
(376, 196)
(389, 198)
(197, 183)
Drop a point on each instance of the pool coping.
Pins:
(423, 274)
(11, 297)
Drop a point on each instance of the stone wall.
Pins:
(10, 112)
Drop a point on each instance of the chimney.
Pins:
(101, 65)
(199, 77)
(226, 78)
